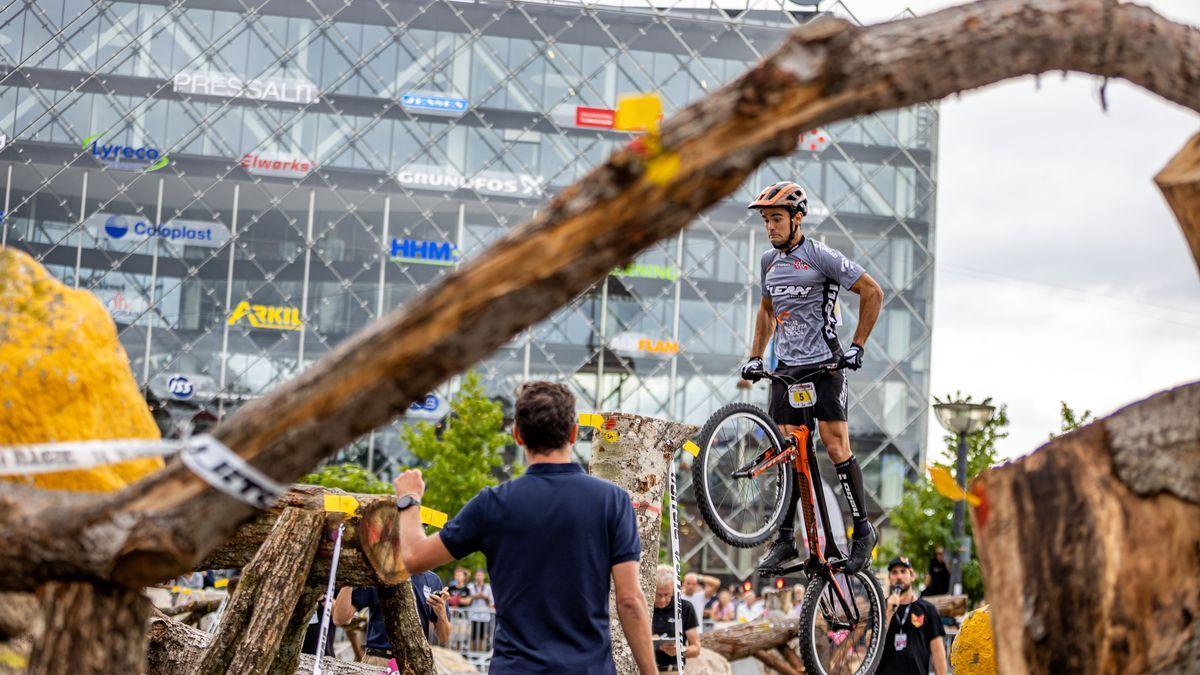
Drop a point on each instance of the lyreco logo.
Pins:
(274, 317)
(424, 252)
(181, 387)
(126, 157)
(801, 291)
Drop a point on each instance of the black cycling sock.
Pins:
(850, 476)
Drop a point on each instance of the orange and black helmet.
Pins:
(784, 194)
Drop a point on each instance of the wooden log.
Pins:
(825, 71)
(775, 662)
(174, 648)
(1091, 544)
(638, 461)
(743, 640)
(194, 607)
(258, 613)
(948, 605)
(287, 656)
(792, 658)
(354, 567)
(1179, 182)
(410, 645)
(20, 615)
(91, 629)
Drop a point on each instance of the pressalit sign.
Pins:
(496, 183)
(227, 85)
(276, 165)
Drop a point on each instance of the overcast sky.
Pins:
(1062, 275)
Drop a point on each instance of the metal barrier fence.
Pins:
(471, 634)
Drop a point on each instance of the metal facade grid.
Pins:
(391, 141)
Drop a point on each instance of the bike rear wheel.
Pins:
(827, 645)
(742, 512)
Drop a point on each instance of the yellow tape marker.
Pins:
(221, 583)
(662, 168)
(638, 113)
(691, 448)
(176, 589)
(433, 517)
(341, 504)
(187, 591)
(945, 484)
(611, 436)
(591, 420)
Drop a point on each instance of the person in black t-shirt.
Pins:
(914, 639)
(937, 581)
(431, 611)
(662, 623)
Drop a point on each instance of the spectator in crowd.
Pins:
(699, 597)
(662, 623)
(482, 604)
(914, 639)
(937, 580)
(751, 608)
(431, 611)
(460, 595)
(724, 609)
(554, 529)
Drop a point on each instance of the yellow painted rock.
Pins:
(64, 375)
(974, 652)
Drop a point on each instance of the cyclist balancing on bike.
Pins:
(800, 279)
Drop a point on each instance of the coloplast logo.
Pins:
(126, 157)
(116, 226)
(181, 387)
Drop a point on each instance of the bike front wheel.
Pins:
(742, 511)
(841, 625)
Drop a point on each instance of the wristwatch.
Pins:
(407, 501)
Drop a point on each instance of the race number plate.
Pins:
(802, 395)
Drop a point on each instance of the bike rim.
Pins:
(848, 651)
(745, 507)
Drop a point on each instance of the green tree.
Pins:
(348, 477)
(1071, 420)
(924, 518)
(462, 456)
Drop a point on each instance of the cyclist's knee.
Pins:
(838, 449)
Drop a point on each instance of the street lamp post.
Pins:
(961, 419)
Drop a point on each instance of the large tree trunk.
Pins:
(287, 656)
(90, 629)
(1090, 546)
(254, 622)
(410, 646)
(19, 615)
(638, 460)
(743, 640)
(825, 71)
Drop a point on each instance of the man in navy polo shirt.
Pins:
(553, 528)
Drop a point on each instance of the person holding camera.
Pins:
(915, 635)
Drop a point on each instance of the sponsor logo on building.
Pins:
(429, 407)
(485, 182)
(424, 252)
(647, 271)
(181, 387)
(226, 85)
(639, 344)
(276, 166)
(273, 317)
(595, 118)
(815, 140)
(119, 227)
(433, 103)
(126, 157)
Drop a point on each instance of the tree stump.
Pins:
(90, 629)
(638, 460)
(253, 625)
(1090, 546)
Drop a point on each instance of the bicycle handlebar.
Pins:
(807, 372)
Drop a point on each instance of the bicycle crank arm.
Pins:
(747, 470)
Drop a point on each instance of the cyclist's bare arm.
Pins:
(764, 325)
(870, 301)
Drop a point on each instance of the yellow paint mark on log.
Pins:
(66, 376)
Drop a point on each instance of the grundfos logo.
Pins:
(275, 317)
(126, 157)
(801, 291)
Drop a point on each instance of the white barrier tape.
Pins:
(673, 515)
(204, 455)
(327, 611)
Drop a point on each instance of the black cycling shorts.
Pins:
(830, 390)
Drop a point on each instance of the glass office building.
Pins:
(246, 185)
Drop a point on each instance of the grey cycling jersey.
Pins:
(803, 287)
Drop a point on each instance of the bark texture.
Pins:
(948, 605)
(287, 657)
(1180, 184)
(20, 614)
(90, 629)
(742, 640)
(824, 72)
(776, 662)
(638, 460)
(253, 625)
(410, 647)
(1090, 545)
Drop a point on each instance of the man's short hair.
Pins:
(545, 415)
(664, 575)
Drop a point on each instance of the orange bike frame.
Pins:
(804, 485)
